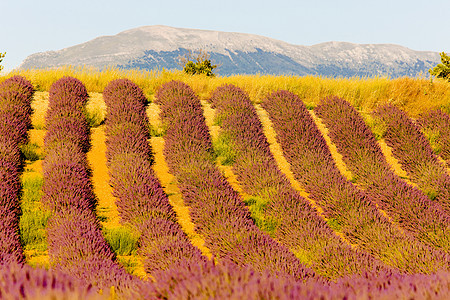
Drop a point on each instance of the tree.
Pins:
(2, 55)
(442, 70)
(197, 63)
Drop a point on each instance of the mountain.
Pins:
(151, 47)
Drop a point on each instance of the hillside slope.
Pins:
(151, 47)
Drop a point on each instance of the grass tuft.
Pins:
(34, 218)
(224, 150)
(30, 151)
(123, 240)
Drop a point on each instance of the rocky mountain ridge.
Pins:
(151, 47)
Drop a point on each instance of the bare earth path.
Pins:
(170, 186)
(285, 167)
(100, 179)
(36, 255)
(106, 207)
(337, 157)
(33, 173)
(214, 131)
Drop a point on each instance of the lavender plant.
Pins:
(76, 244)
(25, 282)
(68, 93)
(15, 110)
(226, 280)
(19, 84)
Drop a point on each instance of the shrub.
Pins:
(2, 55)
(442, 70)
(199, 63)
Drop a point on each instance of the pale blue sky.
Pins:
(29, 26)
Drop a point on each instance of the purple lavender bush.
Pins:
(15, 117)
(77, 247)
(15, 111)
(68, 93)
(226, 280)
(19, 84)
(76, 244)
(25, 282)
(67, 181)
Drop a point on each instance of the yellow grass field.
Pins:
(415, 96)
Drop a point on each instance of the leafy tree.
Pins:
(442, 70)
(2, 55)
(197, 63)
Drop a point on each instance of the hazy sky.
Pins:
(29, 26)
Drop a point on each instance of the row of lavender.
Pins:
(75, 241)
(352, 211)
(415, 154)
(217, 211)
(17, 280)
(406, 205)
(16, 94)
(141, 200)
(293, 221)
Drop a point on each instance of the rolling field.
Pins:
(165, 186)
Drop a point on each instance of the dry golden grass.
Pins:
(414, 95)
(100, 179)
(39, 106)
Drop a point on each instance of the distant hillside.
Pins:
(151, 47)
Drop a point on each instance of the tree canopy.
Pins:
(442, 70)
(198, 63)
(2, 55)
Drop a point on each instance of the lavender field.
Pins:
(194, 203)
